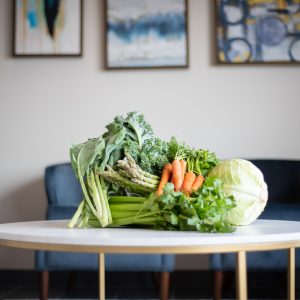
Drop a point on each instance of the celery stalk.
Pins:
(125, 207)
(103, 186)
(77, 215)
(129, 221)
(96, 195)
(86, 196)
(126, 199)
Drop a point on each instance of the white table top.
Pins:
(55, 235)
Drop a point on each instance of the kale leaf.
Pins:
(151, 157)
(137, 129)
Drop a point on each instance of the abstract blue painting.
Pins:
(146, 33)
(258, 31)
(47, 27)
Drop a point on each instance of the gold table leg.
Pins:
(101, 276)
(241, 275)
(291, 274)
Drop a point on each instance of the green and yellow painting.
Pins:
(258, 31)
(47, 27)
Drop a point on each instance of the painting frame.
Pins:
(47, 55)
(106, 43)
(217, 59)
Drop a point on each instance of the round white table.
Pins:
(261, 235)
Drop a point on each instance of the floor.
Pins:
(123, 285)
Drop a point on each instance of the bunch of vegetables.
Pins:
(203, 212)
(183, 181)
(93, 156)
(129, 177)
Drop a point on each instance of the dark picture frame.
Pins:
(261, 37)
(16, 52)
(183, 34)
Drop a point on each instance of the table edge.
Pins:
(206, 249)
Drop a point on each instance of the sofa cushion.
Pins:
(282, 178)
(266, 260)
(62, 186)
(113, 262)
(281, 211)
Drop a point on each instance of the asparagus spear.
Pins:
(133, 172)
(113, 177)
(134, 165)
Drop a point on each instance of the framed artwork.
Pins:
(258, 31)
(146, 34)
(47, 28)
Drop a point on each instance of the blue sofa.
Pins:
(283, 180)
(63, 195)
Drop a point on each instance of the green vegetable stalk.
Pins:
(126, 159)
(201, 161)
(134, 166)
(205, 211)
(86, 163)
(131, 172)
(138, 187)
(90, 159)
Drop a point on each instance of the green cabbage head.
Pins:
(245, 182)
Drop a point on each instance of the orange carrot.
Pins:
(172, 180)
(188, 181)
(183, 168)
(177, 173)
(165, 176)
(197, 183)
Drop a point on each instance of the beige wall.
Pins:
(47, 104)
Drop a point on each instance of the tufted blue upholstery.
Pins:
(283, 180)
(64, 194)
(62, 188)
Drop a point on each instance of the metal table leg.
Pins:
(291, 274)
(241, 275)
(101, 276)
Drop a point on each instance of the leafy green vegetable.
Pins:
(85, 159)
(213, 205)
(114, 138)
(177, 150)
(102, 172)
(90, 159)
(201, 161)
(90, 150)
(155, 153)
(204, 212)
(151, 157)
(137, 129)
(245, 182)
